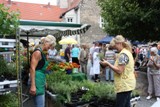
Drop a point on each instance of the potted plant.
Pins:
(3, 66)
(11, 74)
(9, 100)
(8, 70)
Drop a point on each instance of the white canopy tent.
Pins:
(55, 28)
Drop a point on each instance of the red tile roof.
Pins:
(31, 11)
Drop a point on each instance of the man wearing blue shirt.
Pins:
(75, 54)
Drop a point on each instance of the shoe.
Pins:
(112, 80)
(97, 80)
(93, 78)
(149, 97)
(158, 98)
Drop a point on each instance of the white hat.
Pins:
(155, 50)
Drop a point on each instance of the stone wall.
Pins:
(142, 83)
(90, 14)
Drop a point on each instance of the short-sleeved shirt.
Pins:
(110, 56)
(52, 53)
(75, 52)
(153, 69)
(123, 59)
(126, 80)
(67, 51)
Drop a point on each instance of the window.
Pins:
(4, 43)
(101, 24)
(70, 19)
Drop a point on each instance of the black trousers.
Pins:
(123, 99)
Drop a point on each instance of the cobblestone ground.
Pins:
(145, 103)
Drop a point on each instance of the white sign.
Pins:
(7, 43)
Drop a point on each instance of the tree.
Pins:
(9, 21)
(134, 19)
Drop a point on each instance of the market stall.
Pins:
(42, 28)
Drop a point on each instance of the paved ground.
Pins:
(145, 103)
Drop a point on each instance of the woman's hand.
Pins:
(104, 62)
(151, 58)
(33, 90)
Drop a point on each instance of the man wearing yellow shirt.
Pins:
(124, 78)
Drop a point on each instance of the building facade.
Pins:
(87, 11)
(90, 14)
(68, 11)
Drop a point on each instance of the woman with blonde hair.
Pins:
(124, 78)
(37, 70)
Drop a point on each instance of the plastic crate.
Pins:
(7, 85)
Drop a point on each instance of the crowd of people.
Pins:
(89, 59)
(117, 61)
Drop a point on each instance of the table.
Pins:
(79, 76)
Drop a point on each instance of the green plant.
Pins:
(135, 93)
(100, 90)
(11, 70)
(89, 87)
(64, 90)
(3, 66)
(9, 100)
(62, 84)
(58, 76)
(8, 18)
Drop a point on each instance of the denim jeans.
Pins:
(39, 100)
(110, 72)
(123, 99)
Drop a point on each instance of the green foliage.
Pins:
(24, 62)
(12, 69)
(58, 46)
(9, 20)
(57, 77)
(8, 70)
(61, 84)
(106, 92)
(9, 100)
(134, 19)
(135, 93)
(3, 65)
(100, 90)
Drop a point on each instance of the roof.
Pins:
(74, 5)
(41, 12)
(54, 28)
(106, 39)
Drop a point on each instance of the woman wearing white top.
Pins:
(52, 52)
(96, 63)
(153, 74)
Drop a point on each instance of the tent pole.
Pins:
(18, 68)
(28, 58)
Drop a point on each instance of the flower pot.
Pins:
(75, 70)
(2, 78)
(68, 71)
